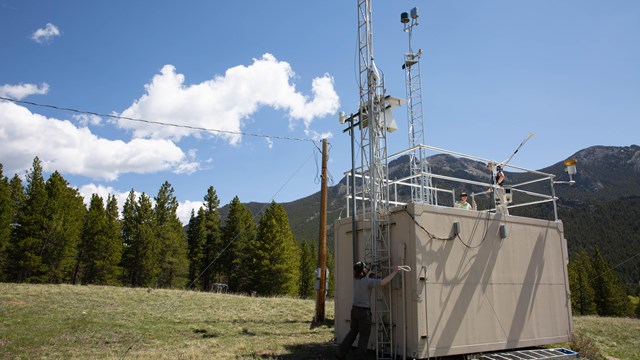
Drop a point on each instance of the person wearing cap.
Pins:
(361, 309)
(463, 204)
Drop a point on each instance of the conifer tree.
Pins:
(171, 239)
(307, 271)
(99, 254)
(212, 247)
(141, 267)
(113, 233)
(6, 216)
(130, 248)
(149, 266)
(582, 293)
(277, 262)
(610, 297)
(239, 233)
(64, 214)
(18, 198)
(25, 258)
(195, 240)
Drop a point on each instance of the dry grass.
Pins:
(615, 338)
(64, 321)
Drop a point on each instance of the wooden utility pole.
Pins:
(322, 240)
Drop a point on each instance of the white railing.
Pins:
(448, 193)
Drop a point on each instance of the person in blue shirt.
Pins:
(361, 309)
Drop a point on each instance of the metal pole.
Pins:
(354, 235)
(322, 240)
(553, 194)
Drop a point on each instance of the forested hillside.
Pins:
(613, 226)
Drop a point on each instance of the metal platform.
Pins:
(556, 354)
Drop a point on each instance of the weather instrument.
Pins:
(570, 168)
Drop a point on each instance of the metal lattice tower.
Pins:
(420, 179)
(375, 194)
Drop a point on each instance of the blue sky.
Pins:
(492, 72)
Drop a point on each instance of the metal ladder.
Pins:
(555, 354)
(373, 154)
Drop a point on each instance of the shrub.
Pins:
(586, 347)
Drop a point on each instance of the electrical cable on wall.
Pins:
(454, 236)
(484, 237)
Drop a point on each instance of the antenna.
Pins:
(420, 178)
(374, 123)
(506, 161)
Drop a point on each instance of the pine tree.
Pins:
(130, 247)
(582, 294)
(277, 264)
(6, 216)
(610, 297)
(26, 247)
(307, 271)
(18, 198)
(101, 247)
(149, 266)
(64, 216)
(195, 241)
(140, 263)
(239, 232)
(212, 247)
(171, 239)
(114, 246)
(93, 236)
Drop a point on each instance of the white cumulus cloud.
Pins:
(21, 91)
(45, 34)
(184, 210)
(62, 146)
(224, 102)
(88, 119)
(87, 190)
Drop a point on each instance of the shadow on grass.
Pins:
(205, 333)
(326, 322)
(314, 351)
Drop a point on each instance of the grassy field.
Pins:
(616, 338)
(99, 322)
(94, 322)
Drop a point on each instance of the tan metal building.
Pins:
(479, 281)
